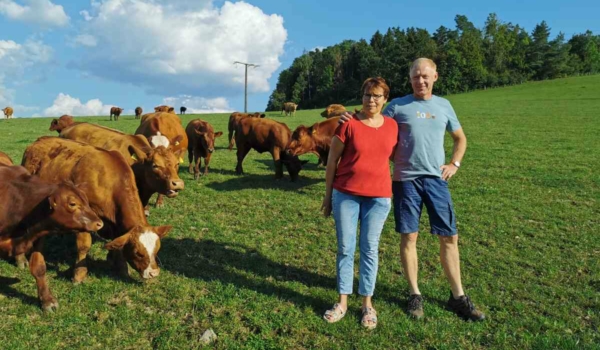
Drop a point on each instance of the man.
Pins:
(420, 177)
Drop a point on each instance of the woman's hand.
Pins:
(326, 206)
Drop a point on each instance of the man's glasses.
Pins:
(375, 97)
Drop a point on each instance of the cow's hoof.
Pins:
(79, 275)
(50, 305)
(159, 205)
(196, 176)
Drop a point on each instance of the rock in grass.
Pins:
(208, 337)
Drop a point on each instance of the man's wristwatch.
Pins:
(456, 164)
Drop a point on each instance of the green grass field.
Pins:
(253, 259)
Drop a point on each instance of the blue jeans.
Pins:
(372, 213)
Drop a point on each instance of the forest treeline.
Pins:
(467, 58)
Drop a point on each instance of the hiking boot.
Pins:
(464, 308)
(415, 306)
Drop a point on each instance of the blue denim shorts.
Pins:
(409, 197)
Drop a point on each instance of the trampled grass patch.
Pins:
(252, 258)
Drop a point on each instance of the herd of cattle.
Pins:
(95, 179)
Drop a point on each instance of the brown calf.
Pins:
(315, 139)
(8, 112)
(116, 111)
(31, 209)
(289, 108)
(201, 144)
(109, 183)
(234, 119)
(164, 108)
(333, 110)
(61, 123)
(138, 112)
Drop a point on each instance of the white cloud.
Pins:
(199, 105)
(42, 12)
(86, 15)
(85, 40)
(183, 46)
(65, 104)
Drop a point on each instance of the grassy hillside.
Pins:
(253, 259)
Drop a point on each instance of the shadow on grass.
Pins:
(247, 181)
(243, 267)
(9, 292)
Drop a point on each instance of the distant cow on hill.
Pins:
(201, 137)
(266, 135)
(289, 108)
(315, 139)
(182, 110)
(164, 108)
(61, 123)
(116, 111)
(8, 112)
(333, 110)
(109, 183)
(138, 112)
(31, 209)
(5, 159)
(234, 119)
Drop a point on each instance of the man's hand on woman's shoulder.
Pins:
(345, 117)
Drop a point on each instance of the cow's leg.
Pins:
(242, 151)
(190, 159)
(278, 166)
(197, 162)
(206, 162)
(159, 201)
(21, 261)
(37, 267)
(84, 243)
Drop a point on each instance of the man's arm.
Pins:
(458, 152)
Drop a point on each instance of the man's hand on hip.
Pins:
(448, 170)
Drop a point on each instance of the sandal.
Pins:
(369, 318)
(334, 314)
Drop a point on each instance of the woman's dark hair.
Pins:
(377, 82)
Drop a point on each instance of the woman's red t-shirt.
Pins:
(364, 168)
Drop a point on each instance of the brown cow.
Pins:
(5, 159)
(169, 125)
(8, 112)
(31, 209)
(116, 111)
(155, 170)
(333, 111)
(201, 144)
(266, 135)
(164, 108)
(316, 139)
(109, 184)
(138, 112)
(289, 108)
(61, 123)
(234, 119)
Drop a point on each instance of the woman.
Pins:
(359, 187)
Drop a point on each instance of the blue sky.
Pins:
(81, 57)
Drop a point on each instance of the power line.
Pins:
(246, 83)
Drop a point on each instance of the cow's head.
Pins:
(140, 246)
(54, 125)
(293, 164)
(70, 209)
(161, 167)
(302, 141)
(120, 110)
(205, 137)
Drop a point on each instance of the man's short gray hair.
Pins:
(418, 61)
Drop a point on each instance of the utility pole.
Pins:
(246, 83)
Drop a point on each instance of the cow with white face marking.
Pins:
(109, 183)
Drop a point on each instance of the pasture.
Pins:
(253, 259)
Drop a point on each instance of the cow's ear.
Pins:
(218, 133)
(162, 231)
(199, 133)
(118, 243)
(176, 140)
(137, 154)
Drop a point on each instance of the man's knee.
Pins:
(449, 240)
(409, 238)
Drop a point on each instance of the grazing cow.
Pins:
(31, 209)
(155, 169)
(169, 125)
(8, 112)
(266, 135)
(61, 123)
(201, 137)
(138, 112)
(234, 119)
(289, 108)
(315, 139)
(5, 159)
(109, 183)
(164, 108)
(182, 110)
(333, 111)
(116, 111)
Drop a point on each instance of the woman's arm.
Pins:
(335, 153)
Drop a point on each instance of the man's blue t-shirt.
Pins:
(421, 128)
